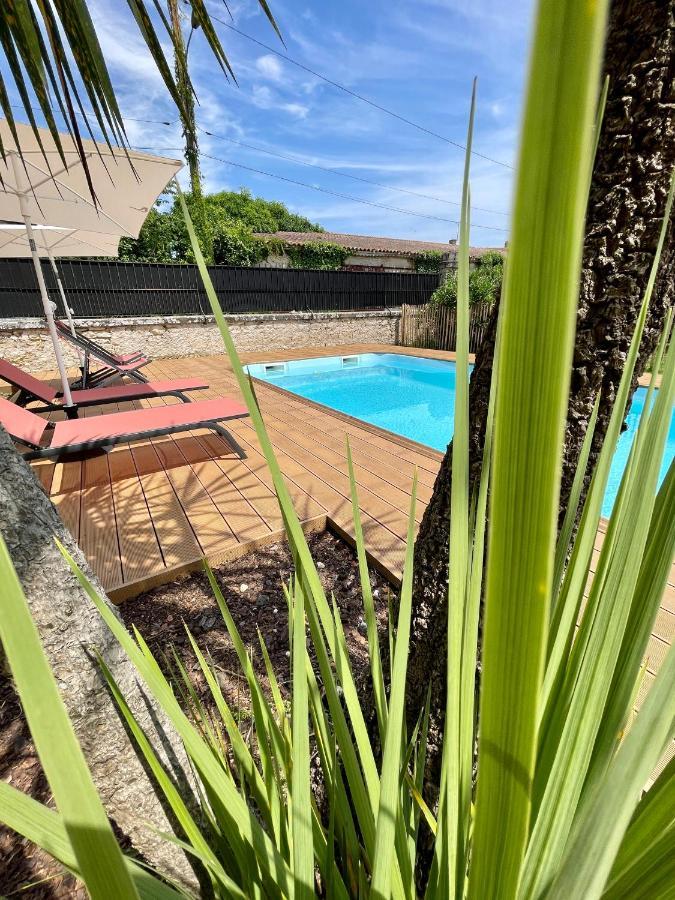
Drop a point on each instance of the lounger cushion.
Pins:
(138, 421)
(24, 425)
(27, 382)
(137, 391)
(128, 357)
(126, 367)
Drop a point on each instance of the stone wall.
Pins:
(25, 342)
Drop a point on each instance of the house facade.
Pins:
(367, 253)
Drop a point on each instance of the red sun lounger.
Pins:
(30, 388)
(103, 432)
(128, 364)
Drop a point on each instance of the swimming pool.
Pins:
(412, 396)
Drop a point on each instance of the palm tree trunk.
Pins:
(635, 158)
(189, 124)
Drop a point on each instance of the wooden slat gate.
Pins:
(434, 327)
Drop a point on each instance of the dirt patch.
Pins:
(252, 587)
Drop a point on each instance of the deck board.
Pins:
(138, 544)
(98, 534)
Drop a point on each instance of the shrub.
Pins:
(485, 281)
(236, 245)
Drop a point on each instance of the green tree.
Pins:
(236, 245)
(227, 235)
(40, 42)
(429, 262)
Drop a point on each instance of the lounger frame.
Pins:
(22, 398)
(107, 443)
(111, 368)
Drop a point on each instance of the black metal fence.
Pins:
(99, 289)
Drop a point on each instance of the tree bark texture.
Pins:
(635, 158)
(70, 628)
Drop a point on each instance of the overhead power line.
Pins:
(302, 162)
(357, 96)
(314, 187)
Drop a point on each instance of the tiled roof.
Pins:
(396, 246)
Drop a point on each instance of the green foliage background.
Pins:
(429, 262)
(227, 221)
(317, 255)
(485, 280)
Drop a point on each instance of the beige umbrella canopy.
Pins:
(52, 241)
(36, 187)
(55, 241)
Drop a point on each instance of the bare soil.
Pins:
(252, 587)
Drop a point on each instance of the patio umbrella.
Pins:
(36, 187)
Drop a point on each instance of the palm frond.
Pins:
(38, 39)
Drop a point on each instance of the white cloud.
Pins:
(262, 96)
(296, 109)
(270, 67)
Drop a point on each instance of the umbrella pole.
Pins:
(46, 303)
(62, 293)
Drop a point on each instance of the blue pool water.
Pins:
(413, 397)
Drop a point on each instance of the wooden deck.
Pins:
(145, 513)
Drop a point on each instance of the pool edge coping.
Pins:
(408, 443)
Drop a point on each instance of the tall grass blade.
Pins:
(379, 693)
(598, 833)
(388, 811)
(318, 611)
(301, 795)
(645, 864)
(266, 725)
(246, 766)
(453, 816)
(565, 536)
(536, 350)
(44, 827)
(99, 858)
(292, 525)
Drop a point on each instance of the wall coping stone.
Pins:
(31, 324)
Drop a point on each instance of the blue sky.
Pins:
(416, 58)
